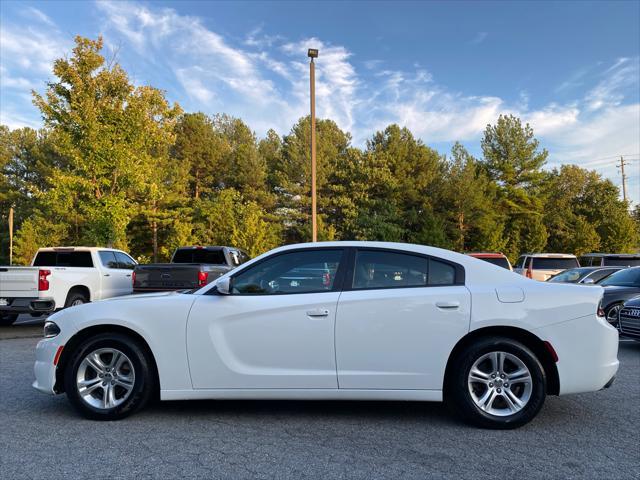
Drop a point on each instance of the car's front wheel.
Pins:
(109, 377)
(496, 383)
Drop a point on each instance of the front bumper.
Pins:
(44, 369)
(587, 349)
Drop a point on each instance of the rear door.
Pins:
(109, 273)
(126, 264)
(398, 319)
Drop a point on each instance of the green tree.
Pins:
(468, 204)
(513, 160)
(111, 135)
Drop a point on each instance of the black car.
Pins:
(629, 319)
(610, 260)
(618, 288)
(586, 275)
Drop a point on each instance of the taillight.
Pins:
(600, 311)
(202, 278)
(133, 278)
(529, 273)
(326, 279)
(43, 283)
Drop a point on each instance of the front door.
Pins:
(398, 319)
(276, 327)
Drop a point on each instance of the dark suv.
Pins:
(610, 260)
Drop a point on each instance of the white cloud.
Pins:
(479, 38)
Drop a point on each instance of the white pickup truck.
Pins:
(63, 277)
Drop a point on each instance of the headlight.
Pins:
(50, 329)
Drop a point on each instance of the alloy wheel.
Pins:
(500, 383)
(105, 378)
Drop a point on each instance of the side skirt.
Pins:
(302, 394)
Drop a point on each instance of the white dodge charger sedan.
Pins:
(338, 320)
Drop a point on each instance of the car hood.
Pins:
(141, 295)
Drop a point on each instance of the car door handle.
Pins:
(128, 275)
(318, 312)
(448, 305)
(107, 274)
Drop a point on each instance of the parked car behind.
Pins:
(618, 288)
(190, 267)
(610, 260)
(629, 319)
(542, 266)
(63, 277)
(499, 259)
(586, 275)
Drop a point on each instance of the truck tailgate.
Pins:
(18, 282)
(167, 276)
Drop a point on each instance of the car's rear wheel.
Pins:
(7, 319)
(496, 383)
(75, 298)
(109, 377)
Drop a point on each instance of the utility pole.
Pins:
(313, 53)
(11, 236)
(624, 177)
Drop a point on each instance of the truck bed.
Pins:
(174, 276)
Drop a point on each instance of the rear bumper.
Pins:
(28, 305)
(587, 349)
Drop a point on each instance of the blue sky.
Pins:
(443, 69)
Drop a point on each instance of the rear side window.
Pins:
(125, 261)
(199, 255)
(380, 269)
(108, 259)
(546, 263)
(63, 259)
(600, 274)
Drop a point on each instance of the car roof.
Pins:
(613, 255)
(77, 249)
(548, 255)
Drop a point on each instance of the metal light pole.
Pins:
(313, 53)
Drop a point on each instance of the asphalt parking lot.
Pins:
(593, 435)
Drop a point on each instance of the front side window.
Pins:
(520, 262)
(629, 277)
(382, 269)
(306, 271)
(108, 259)
(125, 262)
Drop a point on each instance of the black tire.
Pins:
(143, 385)
(458, 391)
(7, 319)
(75, 297)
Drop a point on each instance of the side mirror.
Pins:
(589, 281)
(223, 286)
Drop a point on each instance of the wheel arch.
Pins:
(531, 341)
(81, 335)
(80, 289)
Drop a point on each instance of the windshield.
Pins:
(548, 263)
(569, 276)
(629, 277)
